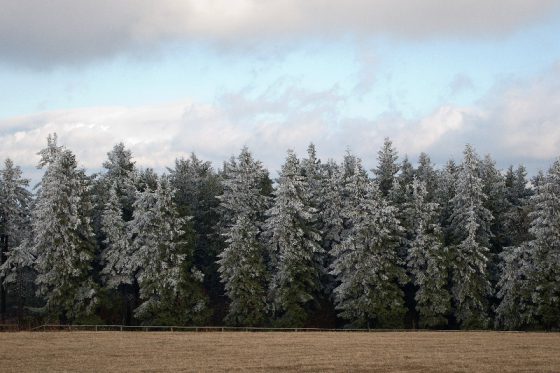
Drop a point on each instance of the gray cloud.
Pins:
(42, 34)
(460, 84)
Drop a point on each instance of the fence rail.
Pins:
(47, 327)
(9, 327)
(162, 328)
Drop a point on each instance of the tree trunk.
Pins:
(21, 297)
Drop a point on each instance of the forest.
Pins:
(330, 244)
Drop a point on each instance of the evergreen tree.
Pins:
(516, 220)
(120, 174)
(15, 204)
(244, 273)
(400, 196)
(494, 187)
(407, 172)
(114, 192)
(352, 176)
(318, 188)
(470, 223)
(197, 187)
(471, 286)
(545, 230)
(15, 256)
(400, 193)
(428, 260)
(538, 181)
(295, 246)
(427, 174)
(366, 263)
(116, 267)
(147, 180)
(330, 209)
(63, 239)
(242, 189)
(332, 219)
(444, 195)
(170, 287)
(242, 263)
(387, 167)
(515, 309)
(528, 286)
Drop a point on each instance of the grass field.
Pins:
(279, 351)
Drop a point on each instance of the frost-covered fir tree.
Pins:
(120, 174)
(295, 246)
(15, 204)
(516, 225)
(242, 262)
(400, 193)
(197, 186)
(331, 218)
(15, 224)
(354, 178)
(444, 194)
(116, 256)
(319, 187)
(244, 273)
(311, 169)
(63, 239)
(494, 188)
(242, 188)
(471, 286)
(170, 287)
(366, 263)
(332, 205)
(470, 224)
(427, 174)
(147, 180)
(514, 289)
(387, 167)
(400, 196)
(427, 260)
(536, 263)
(114, 192)
(407, 172)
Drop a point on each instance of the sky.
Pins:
(172, 77)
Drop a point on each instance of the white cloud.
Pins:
(515, 122)
(46, 33)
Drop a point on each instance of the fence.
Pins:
(9, 327)
(123, 328)
(161, 328)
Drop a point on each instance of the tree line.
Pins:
(328, 244)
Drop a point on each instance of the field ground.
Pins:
(279, 351)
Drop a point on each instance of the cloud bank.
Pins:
(43, 34)
(517, 123)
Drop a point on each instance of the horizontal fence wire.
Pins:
(165, 328)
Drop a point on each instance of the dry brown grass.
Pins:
(277, 351)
